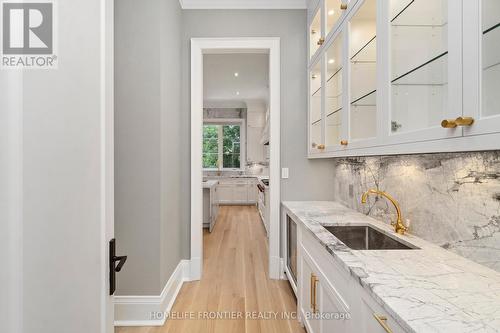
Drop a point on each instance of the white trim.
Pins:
(243, 4)
(200, 46)
(136, 310)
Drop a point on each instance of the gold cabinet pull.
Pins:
(464, 121)
(321, 41)
(344, 142)
(322, 146)
(314, 281)
(382, 320)
(449, 123)
(343, 6)
(460, 121)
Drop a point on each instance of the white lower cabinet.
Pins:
(237, 191)
(225, 193)
(240, 194)
(331, 300)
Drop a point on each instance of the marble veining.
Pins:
(449, 199)
(426, 290)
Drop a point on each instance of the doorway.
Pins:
(205, 46)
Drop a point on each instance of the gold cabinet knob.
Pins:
(321, 41)
(344, 142)
(343, 6)
(464, 121)
(320, 146)
(448, 123)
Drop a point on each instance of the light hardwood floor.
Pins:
(235, 279)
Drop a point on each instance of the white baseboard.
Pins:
(195, 269)
(275, 267)
(140, 310)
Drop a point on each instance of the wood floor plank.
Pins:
(235, 281)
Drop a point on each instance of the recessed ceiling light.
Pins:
(237, 93)
(236, 74)
(331, 61)
(331, 12)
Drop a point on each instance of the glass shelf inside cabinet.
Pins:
(363, 83)
(419, 64)
(333, 92)
(491, 57)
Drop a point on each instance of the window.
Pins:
(222, 146)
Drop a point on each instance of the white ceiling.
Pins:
(220, 83)
(243, 4)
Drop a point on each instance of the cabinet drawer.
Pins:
(370, 310)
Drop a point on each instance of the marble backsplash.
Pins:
(450, 199)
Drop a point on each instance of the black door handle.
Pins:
(121, 261)
(113, 268)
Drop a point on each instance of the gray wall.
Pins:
(147, 169)
(153, 127)
(309, 180)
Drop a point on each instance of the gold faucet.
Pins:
(399, 227)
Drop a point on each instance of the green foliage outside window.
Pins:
(210, 146)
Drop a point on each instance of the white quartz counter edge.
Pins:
(425, 290)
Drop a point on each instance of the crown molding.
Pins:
(243, 4)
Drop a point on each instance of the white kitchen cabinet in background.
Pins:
(237, 191)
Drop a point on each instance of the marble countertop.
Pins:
(425, 290)
(210, 183)
(236, 176)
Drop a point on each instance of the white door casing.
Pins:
(200, 46)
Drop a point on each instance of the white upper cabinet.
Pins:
(404, 76)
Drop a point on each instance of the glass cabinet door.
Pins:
(334, 10)
(490, 69)
(363, 72)
(333, 92)
(315, 108)
(482, 74)
(425, 67)
(316, 36)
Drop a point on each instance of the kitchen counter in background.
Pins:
(210, 183)
(425, 290)
(210, 204)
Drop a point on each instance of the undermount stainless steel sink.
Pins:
(366, 238)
